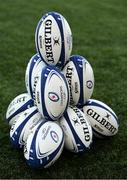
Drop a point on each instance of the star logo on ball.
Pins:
(25, 114)
(56, 41)
(108, 116)
(75, 120)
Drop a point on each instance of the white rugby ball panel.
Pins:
(80, 77)
(70, 142)
(88, 82)
(77, 130)
(37, 75)
(44, 47)
(44, 145)
(52, 94)
(103, 106)
(51, 43)
(78, 65)
(53, 137)
(15, 118)
(55, 156)
(33, 120)
(18, 105)
(34, 66)
(102, 118)
(28, 75)
(67, 38)
(27, 145)
(38, 98)
(72, 77)
(56, 96)
(79, 119)
(22, 127)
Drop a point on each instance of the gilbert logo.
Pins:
(101, 120)
(53, 96)
(48, 40)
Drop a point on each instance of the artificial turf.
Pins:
(100, 35)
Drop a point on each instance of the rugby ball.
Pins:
(21, 128)
(31, 76)
(102, 118)
(80, 77)
(44, 145)
(53, 39)
(17, 106)
(52, 93)
(77, 130)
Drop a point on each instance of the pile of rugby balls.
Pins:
(57, 111)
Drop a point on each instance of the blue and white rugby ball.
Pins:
(21, 128)
(44, 145)
(80, 77)
(53, 39)
(52, 93)
(77, 130)
(17, 106)
(31, 77)
(102, 118)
